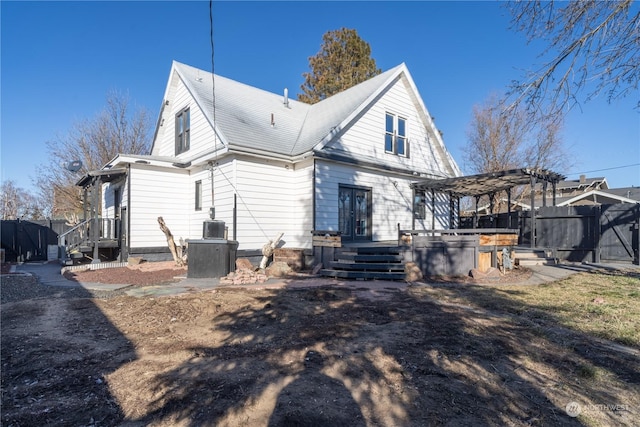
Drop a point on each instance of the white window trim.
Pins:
(395, 136)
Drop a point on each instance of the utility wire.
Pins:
(607, 169)
(213, 101)
(215, 124)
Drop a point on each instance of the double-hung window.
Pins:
(395, 135)
(183, 130)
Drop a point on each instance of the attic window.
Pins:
(395, 135)
(183, 131)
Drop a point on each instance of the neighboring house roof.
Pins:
(628, 192)
(253, 120)
(593, 197)
(582, 184)
(599, 197)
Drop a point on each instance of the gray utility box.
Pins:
(209, 258)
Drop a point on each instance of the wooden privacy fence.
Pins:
(603, 233)
(600, 233)
(30, 240)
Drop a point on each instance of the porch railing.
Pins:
(109, 229)
(74, 237)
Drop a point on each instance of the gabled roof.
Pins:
(597, 197)
(583, 184)
(249, 119)
(632, 193)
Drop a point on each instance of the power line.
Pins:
(607, 169)
(213, 102)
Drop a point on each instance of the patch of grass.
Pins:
(589, 372)
(598, 304)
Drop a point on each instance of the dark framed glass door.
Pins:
(354, 212)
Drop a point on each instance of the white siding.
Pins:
(303, 204)
(108, 198)
(223, 178)
(201, 133)
(392, 200)
(158, 192)
(273, 198)
(366, 136)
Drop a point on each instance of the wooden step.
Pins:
(370, 258)
(382, 250)
(528, 257)
(367, 266)
(366, 275)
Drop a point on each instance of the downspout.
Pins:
(313, 193)
(235, 217)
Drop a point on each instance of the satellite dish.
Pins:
(73, 166)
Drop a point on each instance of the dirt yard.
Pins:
(323, 356)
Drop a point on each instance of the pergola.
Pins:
(490, 184)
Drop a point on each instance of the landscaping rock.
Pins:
(244, 263)
(135, 260)
(413, 272)
(278, 269)
(243, 276)
(491, 274)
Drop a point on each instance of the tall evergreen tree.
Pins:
(344, 60)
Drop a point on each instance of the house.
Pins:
(266, 164)
(578, 192)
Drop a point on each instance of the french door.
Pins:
(354, 212)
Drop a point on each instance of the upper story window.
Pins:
(183, 130)
(395, 135)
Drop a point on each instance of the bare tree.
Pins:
(593, 47)
(495, 140)
(18, 203)
(502, 138)
(93, 142)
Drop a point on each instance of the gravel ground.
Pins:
(19, 287)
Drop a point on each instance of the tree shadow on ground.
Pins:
(405, 360)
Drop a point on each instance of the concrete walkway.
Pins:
(49, 274)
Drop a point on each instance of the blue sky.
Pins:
(60, 59)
